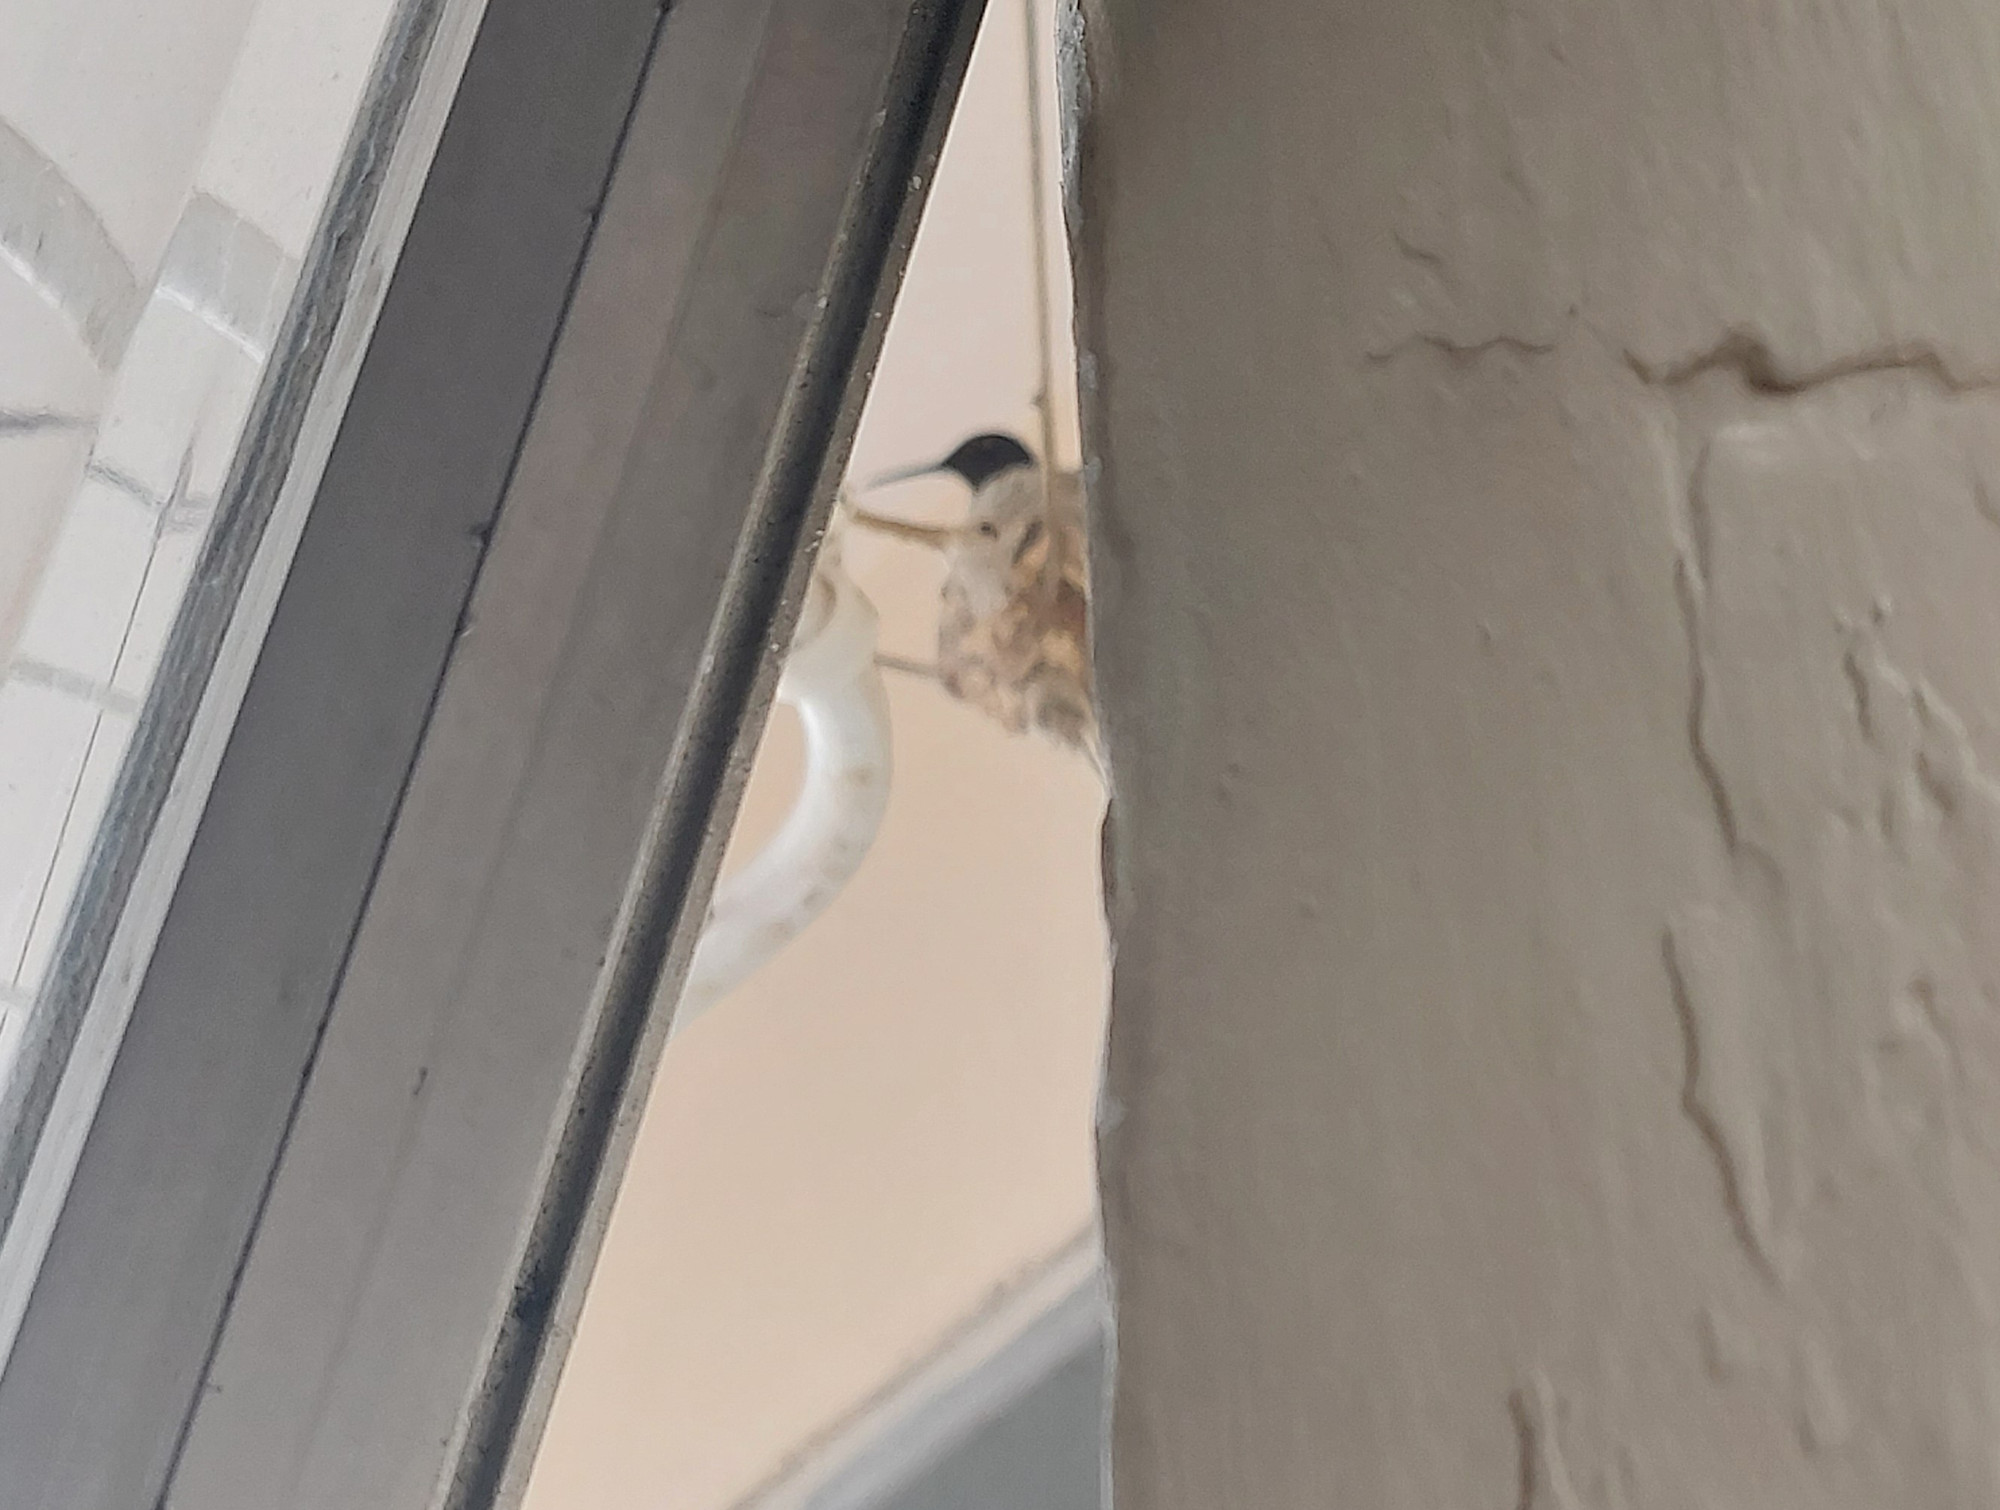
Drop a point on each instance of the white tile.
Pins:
(219, 432)
(153, 616)
(44, 737)
(47, 378)
(159, 398)
(53, 237)
(92, 583)
(38, 478)
(86, 805)
(121, 96)
(45, 365)
(228, 271)
(280, 129)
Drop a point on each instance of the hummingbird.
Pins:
(1013, 623)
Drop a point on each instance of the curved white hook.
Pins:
(832, 680)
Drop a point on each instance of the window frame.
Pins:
(332, 1220)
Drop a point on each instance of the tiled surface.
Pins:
(164, 164)
(91, 791)
(102, 597)
(83, 611)
(119, 95)
(39, 775)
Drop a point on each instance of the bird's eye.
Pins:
(988, 530)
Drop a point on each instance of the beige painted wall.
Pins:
(840, 1164)
(1547, 626)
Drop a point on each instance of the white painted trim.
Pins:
(1027, 1329)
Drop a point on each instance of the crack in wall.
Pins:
(1687, 595)
(1542, 1480)
(1464, 353)
(1751, 359)
(1740, 353)
(1743, 1220)
(1527, 1451)
(1418, 253)
(1693, 569)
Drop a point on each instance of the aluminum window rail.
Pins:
(334, 1217)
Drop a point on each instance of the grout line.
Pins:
(100, 695)
(97, 726)
(124, 482)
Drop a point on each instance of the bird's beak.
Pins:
(906, 474)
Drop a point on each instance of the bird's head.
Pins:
(976, 462)
(984, 457)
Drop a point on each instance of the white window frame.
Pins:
(330, 1225)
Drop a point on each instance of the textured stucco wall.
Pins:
(1549, 625)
